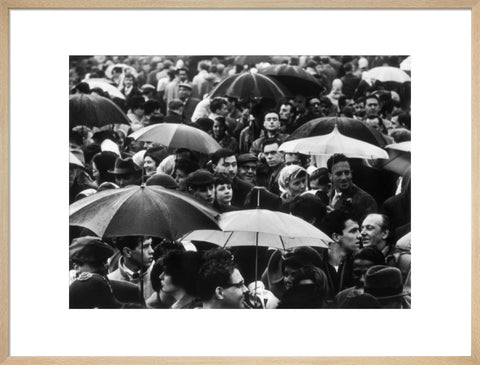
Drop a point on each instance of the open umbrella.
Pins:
(106, 86)
(399, 158)
(406, 64)
(332, 143)
(347, 126)
(177, 136)
(294, 78)
(250, 85)
(94, 111)
(142, 211)
(74, 160)
(385, 74)
(262, 227)
(125, 69)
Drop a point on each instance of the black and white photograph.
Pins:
(239, 182)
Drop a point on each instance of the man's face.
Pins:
(371, 106)
(182, 75)
(359, 108)
(285, 112)
(205, 193)
(372, 232)
(223, 111)
(300, 103)
(341, 176)
(351, 237)
(234, 293)
(183, 93)
(292, 159)
(272, 155)
(149, 165)
(227, 166)
(125, 180)
(288, 276)
(314, 106)
(128, 81)
(247, 171)
(271, 122)
(374, 123)
(223, 194)
(360, 267)
(143, 253)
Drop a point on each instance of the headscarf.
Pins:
(287, 174)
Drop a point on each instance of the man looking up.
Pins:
(271, 126)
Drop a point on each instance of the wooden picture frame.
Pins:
(7, 5)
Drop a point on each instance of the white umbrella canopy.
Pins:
(177, 136)
(333, 143)
(399, 157)
(103, 84)
(406, 64)
(74, 160)
(385, 74)
(262, 227)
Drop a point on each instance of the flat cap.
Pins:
(200, 178)
(246, 157)
(89, 249)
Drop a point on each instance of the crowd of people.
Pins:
(363, 208)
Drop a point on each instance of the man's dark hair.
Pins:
(216, 270)
(216, 104)
(187, 166)
(336, 158)
(151, 106)
(268, 141)
(270, 111)
(371, 254)
(307, 207)
(129, 76)
(183, 268)
(371, 96)
(222, 180)
(221, 153)
(182, 69)
(137, 102)
(131, 242)
(334, 222)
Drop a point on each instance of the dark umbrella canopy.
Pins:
(250, 85)
(94, 111)
(347, 126)
(142, 211)
(295, 79)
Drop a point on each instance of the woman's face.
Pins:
(180, 179)
(297, 186)
(223, 194)
(167, 284)
(218, 129)
(149, 165)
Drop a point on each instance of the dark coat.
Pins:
(356, 202)
(240, 190)
(189, 108)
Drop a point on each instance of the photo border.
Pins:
(6, 6)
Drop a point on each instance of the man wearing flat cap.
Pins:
(247, 167)
(189, 103)
(175, 112)
(126, 172)
(201, 185)
(89, 256)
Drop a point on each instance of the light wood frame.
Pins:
(6, 5)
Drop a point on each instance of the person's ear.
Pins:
(335, 237)
(127, 252)
(385, 234)
(219, 293)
